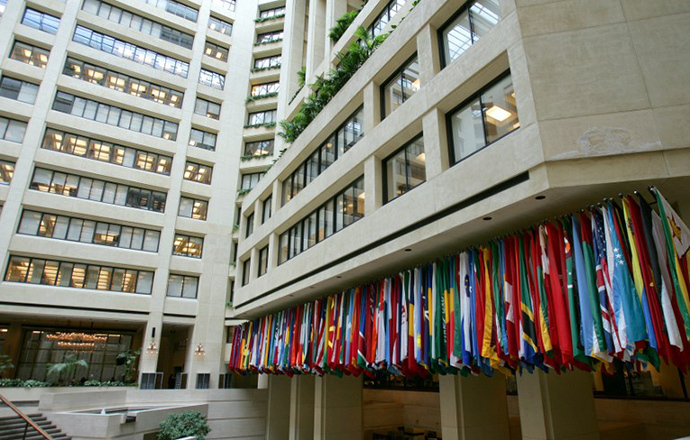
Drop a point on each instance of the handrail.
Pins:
(25, 418)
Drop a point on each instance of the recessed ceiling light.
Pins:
(487, 218)
(408, 250)
(498, 113)
(540, 197)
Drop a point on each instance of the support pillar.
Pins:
(474, 407)
(302, 407)
(278, 411)
(338, 408)
(554, 407)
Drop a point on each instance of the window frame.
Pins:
(384, 173)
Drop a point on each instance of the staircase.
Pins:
(13, 428)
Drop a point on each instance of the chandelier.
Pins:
(76, 340)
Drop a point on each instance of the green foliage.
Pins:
(108, 383)
(267, 95)
(301, 77)
(262, 19)
(19, 383)
(264, 124)
(129, 360)
(69, 363)
(326, 87)
(241, 192)
(236, 227)
(261, 69)
(254, 156)
(184, 424)
(5, 364)
(342, 24)
(268, 42)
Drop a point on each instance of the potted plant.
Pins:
(184, 424)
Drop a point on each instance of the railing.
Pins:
(26, 419)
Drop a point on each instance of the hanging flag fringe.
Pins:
(579, 292)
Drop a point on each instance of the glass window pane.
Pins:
(468, 134)
(500, 112)
(457, 38)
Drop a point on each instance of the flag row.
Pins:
(607, 283)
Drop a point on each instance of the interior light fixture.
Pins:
(199, 350)
(498, 113)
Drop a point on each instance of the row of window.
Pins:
(138, 54)
(202, 139)
(216, 51)
(269, 37)
(404, 169)
(193, 208)
(12, 130)
(259, 148)
(250, 180)
(6, 172)
(400, 86)
(225, 4)
(475, 19)
(337, 213)
(212, 79)
(78, 275)
(18, 90)
(72, 185)
(41, 21)
(335, 146)
(81, 230)
(379, 24)
(268, 62)
(31, 55)
(175, 8)
(122, 83)
(90, 148)
(116, 116)
(270, 13)
(138, 23)
(265, 117)
(91, 276)
(265, 89)
(188, 246)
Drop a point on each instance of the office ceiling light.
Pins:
(498, 113)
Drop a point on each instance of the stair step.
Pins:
(31, 416)
(20, 422)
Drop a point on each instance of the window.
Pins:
(3, 5)
(88, 231)
(225, 4)
(122, 49)
(32, 55)
(18, 90)
(215, 51)
(250, 180)
(267, 117)
(259, 148)
(218, 25)
(272, 13)
(122, 83)
(269, 37)
(404, 169)
(400, 87)
(483, 119)
(337, 213)
(89, 148)
(474, 20)
(198, 173)
(202, 139)
(175, 8)
(78, 275)
(187, 246)
(12, 130)
(267, 63)
(263, 261)
(72, 185)
(41, 21)
(182, 286)
(138, 23)
(385, 17)
(335, 146)
(261, 90)
(207, 108)
(250, 225)
(6, 172)
(212, 79)
(192, 208)
(266, 213)
(111, 115)
(246, 268)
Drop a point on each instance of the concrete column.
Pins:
(372, 106)
(556, 406)
(278, 414)
(373, 195)
(338, 408)
(148, 361)
(435, 143)
(302, 407)
(428, 54)
(474, 407)
(316, 35)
